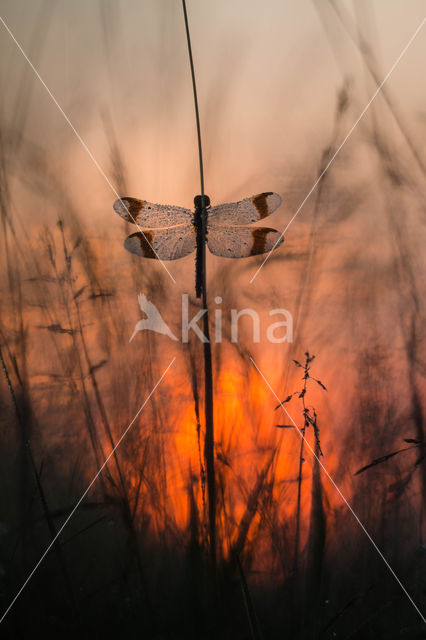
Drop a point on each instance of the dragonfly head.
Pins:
(198, 201)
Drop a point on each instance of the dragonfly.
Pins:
(170, 232)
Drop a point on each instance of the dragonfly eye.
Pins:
(198, 201)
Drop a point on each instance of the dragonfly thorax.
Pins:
(198, 201)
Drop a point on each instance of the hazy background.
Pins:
(268, 78)
(280, 84)
(267, 81)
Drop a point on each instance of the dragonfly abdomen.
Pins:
(200, 222)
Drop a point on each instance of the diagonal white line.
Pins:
(80, 139)
(123, 435)
(333, 157)
(340, 493)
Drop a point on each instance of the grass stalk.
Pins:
(208, 369)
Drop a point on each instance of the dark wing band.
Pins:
(241, 242)
(163, 244)
(153, 216)
(246, 211)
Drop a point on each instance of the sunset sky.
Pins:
(281, 84)
(267, 81)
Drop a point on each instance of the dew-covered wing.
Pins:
(163, 244)
(246, 211)
(241, 242)
(152, 216)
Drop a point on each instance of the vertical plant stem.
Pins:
(315, 553)
(197, 417)
(255, 631)
(208, 371)
(53, 534)
(299, 495)
(209, 436)
(194, 88)
(299, 479)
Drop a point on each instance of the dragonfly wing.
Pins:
(246, 211)
(241, 242)
(163, 244)
(147, 214)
